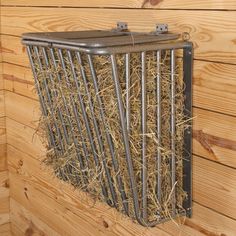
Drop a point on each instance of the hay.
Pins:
(90, 176)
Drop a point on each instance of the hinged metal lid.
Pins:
(97, 38)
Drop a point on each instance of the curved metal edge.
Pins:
(116, 49)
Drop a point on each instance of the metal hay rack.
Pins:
(116, 109)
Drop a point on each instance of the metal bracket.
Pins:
(161, 28)
(122, 26)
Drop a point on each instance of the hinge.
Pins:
(161, 28)
(122, 26)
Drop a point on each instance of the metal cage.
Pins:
(75, 49)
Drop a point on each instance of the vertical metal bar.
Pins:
(144, 133)
(126, 139)
(173, 128)
(187, 153)
(116, 166)
(75, 141)
(87, 126)
(41, 99)
(76, 114)
(50, 101)
(127, 73)
(73, 107)
(108, 137)
(67, 114)
(109, 140)
(84, 114)
(158, 91)
(52, 142)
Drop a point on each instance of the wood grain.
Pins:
(25, 222)
(3, 155)
(214, 185)
(2, 108)
(35, 186)
(19, 80)
(24, 138)
(22, 109)
(162, 4)
(61, 207)
(211, 42)
(214, 87)
(214, 136)
(5, 229)
(4, 198)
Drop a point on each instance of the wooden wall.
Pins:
(40, 204)
(4, 181)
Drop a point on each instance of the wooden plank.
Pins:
(34, 181)
(162, 4)
(1, 72)
(5, 229)
(4, 184)
(4, 211)
(213, 139)
(19, 79)
(3, 154)
(27, 223)
(2, 131)
(214, 85)
(24, 138)
(22, 109)
(214, 136)
(211, 42)
(16, 231)
(214, 186)
(62, 208)
(2, 108)
(4, 198)
(204, 222)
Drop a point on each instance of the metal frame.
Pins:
(141, 46)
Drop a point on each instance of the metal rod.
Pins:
(68, 115)
(68, 84)
(144, 133)
(108, 137)
(109, 140)
(113, 50)
(127, 73)
(52, 142)
(126, 139)
(41, 99)
(158, 91)
(76, 114)
(172, 129)
(84, 114)
(48, 93)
